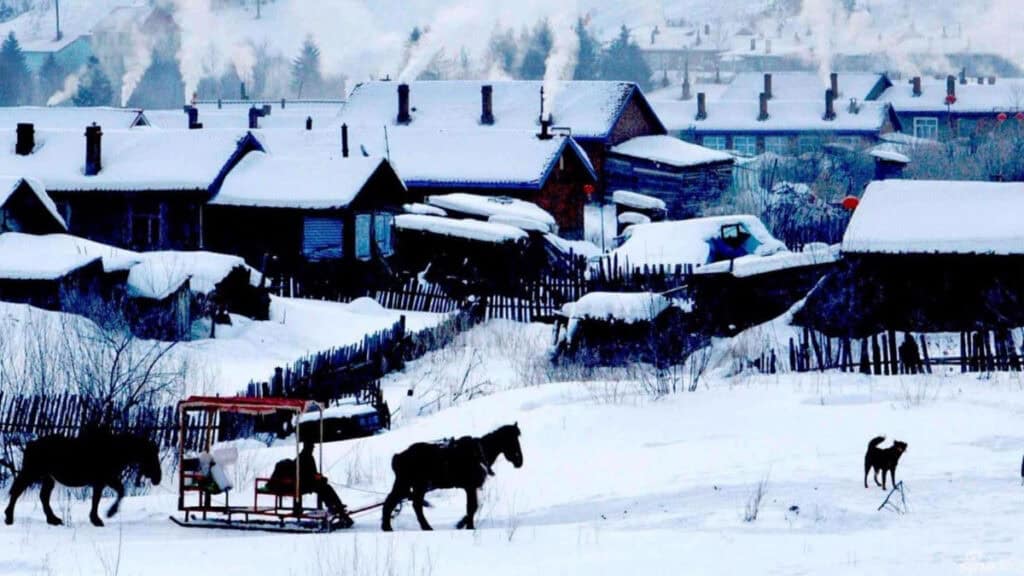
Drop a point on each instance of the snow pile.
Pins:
(423, 209)
(149, 279)
(883, 152)
(10, 184)
(670, 150)
(627, 307)
(468, 229)
(688, 241)
(634, 218)
(637, 201)
(754, 264)
(489, 207)
(924, 217)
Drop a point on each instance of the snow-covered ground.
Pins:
(618, 482)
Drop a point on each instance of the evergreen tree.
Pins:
(503, 49)
(588, 57)
(537, 52)
(623, 60)
(51, 78)
(15, 78)
(306, 76)
(161, 86)
(94, 88)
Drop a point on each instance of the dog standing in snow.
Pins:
(882, 459)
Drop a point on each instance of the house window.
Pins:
(745, 145)
(808, 144)
(776, 145)
(363, 232)
(926, 128)
(146, 227)
(851, 141)
(714, 142)
(322, 238)
(383, 233)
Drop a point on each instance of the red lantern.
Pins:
(851, 203)
(1019, 116)
(950, 99)
(1001, 117)
(588, 189)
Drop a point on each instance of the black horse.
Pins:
(464, 463)
(97, 459)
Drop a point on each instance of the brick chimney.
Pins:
(833, 82)
(487, 104)
(193, 118)
(403, 104)
(255, 114)
(309, 123)
(768, 86)
(702, 106)
(241, 91)
(762, 114)
(963, 76)
(991, 80)
(830, 105)
(344, 140)
(950, 86)
(916, 82)
(26, 139)
(284, 103)
(93, 150)
(753, 44)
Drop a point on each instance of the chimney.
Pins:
(833, 80)
(93, 150)
(241, 92)
(768, 46)
(687, 95)
(309, 123)
(963, 76)
(991, 80)
(193, 118)
(763, 101)
(255, 114)
(220, 103)
(981, 80)
(916, 82)
(545, 129)
(768, 86)
(26, 139)
(487, 104)
(830, 105)
(950, 86)
(702, 106)
(753, 44)
(284, 103)
(403, 104)
(344, 140)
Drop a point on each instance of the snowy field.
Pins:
(617, 482)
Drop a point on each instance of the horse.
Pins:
(464, 463)
(96, 459)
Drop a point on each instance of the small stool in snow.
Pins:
(896, 505)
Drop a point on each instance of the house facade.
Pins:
(957, 107)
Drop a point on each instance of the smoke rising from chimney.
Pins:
(561, 62)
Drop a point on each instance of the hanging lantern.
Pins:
(851, 203)
(950, 99)
(1001, 117)
(1019, 116)
(588, 189)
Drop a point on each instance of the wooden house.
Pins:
(58, 282)
(25, 207)
(926, 256)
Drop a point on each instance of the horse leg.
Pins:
(398, 493)
(417, 506)
(97, 493)
(471, 507)
(44, 497)
(20, 484)
(119, 489)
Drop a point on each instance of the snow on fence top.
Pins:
(469, 229)
(10, 184)
(628, 307)
(670, 150)
(494, 206)
(938, 217)
(21, 259)
(684, 242)
(637, 201)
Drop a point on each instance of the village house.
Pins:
(25, 207)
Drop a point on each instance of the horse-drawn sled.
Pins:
(278, 504)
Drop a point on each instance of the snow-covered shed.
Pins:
(498, 209)
(25, 207)
(927, 256)
(62, 282)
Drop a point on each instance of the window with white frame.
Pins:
(383, 226)
(926, 128)
(745, 145)
(808, 144)
(714, 142)
(851, 141)
(363, 247)
(322, 238)
(777, 145)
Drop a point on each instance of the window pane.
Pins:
(322, 238)
(383, 225)
(363, 236)
(714, 142)
(926, 128)
(746, 145)
(776, 145)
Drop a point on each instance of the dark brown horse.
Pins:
(96, 459)
(463, 463)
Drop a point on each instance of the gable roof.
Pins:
(71, 118)
(783, 116)
(590, 109)
(938, 217)
(133, 160)
(804, 86)
(1006, 95)
(11, 184)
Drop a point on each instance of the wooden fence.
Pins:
(613, 275)
(415, 296)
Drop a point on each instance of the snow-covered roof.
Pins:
(424, 209)
(634, 218)
(496, 208)
(670, 150)
(132, 160)
(235, 115)
(22, 258)
(35, 28)
(628, 307)
(70, 118)
(801, 86)
(882, 152)
(783, 116)
(637, 201)
(151, 279)
(938, 217)
(971, 98)
(468, 229)
(10, 184)
(349, 410)
(589, 108)
(297, 181)
(755, 264)
(684, 242)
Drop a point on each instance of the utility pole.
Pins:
(59, 34)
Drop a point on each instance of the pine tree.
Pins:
(94, 88)
(624, 60)
(161, 86)
(503, 49)
(588, 57)
(306, 76)
(51, 78)
(15, 78)
(537, 51)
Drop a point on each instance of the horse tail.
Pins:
(876, 441)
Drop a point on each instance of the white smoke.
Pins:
(450, 23)
(820, 16)
(561, 62)
(137, 59)
(69, 90)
